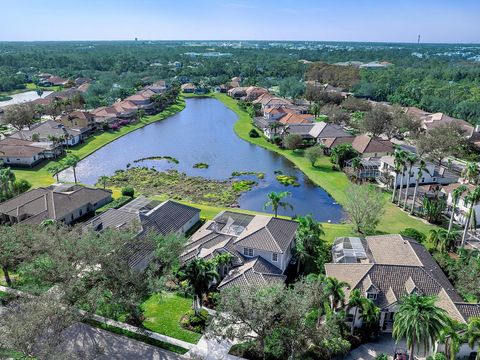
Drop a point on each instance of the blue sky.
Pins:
(345, 20)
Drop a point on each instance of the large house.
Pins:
(188, 88)
(64, 203)
(144, 216)
(81, 120)
(387, 267)
(260, 246)
(48, 131)
(365, 145)
(17, 152)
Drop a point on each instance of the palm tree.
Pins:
(442, 239)
(355, 302)
(55, 170)
(470, 173)
(455, 197)
(275, 201)
(274, 126)
(334, 291)
(103, 180)
(422, 168)
(450, 336)
(72, 161)
(471, 200)
(200, 273)
(398, 164)
(7, 179)
(308, 235)
(420, 321)
(472, 334)
(370, 314)
(402, 156)
(411, 159)
(223, 261)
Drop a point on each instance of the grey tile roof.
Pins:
(52, 202)
(468, 310)
(254, 272)
(399, 267)
(44, 130)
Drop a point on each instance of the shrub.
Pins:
(128, 191)
(196, 323)
(313, 154)
(414, 234)
(254, 133)
(292, 141)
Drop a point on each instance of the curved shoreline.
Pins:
(39, 176)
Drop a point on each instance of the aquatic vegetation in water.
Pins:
(259, 175)
(201, 165)
(179, 186)
(287, 180)
(168, 158)
(243, 185)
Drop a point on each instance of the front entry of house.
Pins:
(386, 321)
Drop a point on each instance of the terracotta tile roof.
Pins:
(330, 143)
(295, 119)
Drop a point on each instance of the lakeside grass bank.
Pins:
(336, 183)
(39, 176)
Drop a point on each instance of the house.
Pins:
(105, 115)
(303, 130)
(253, 92)
(237, 92)
(235, 82)
(296, 119)
(48, 130)
(141, 100)
(432, 174)
(274, 102)
(144, 216)
(63, 203)
(278, 112)
(188, 88)
(365, 145)
(125, 109)
(260, 246)
(387, 267)
(17, 152)
(322, 131)
(462, 207)
(53, 81)
(81, 120)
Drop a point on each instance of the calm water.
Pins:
(203, 132)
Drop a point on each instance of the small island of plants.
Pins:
(201, 165)
(170, 159)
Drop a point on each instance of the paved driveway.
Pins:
(86, 342)
(384, 345)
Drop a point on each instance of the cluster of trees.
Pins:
(10, 186)
(340, 76)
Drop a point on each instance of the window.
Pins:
(372, 296)
(248, 252)
(274, 257)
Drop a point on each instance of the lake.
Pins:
(23, 97)
(203, 133)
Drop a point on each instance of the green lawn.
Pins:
(30, 87)
(163, 314)
(335, 183)
(39, 176)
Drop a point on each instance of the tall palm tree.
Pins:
(420, 321)
(450, 337)
(471, 199)
(422, 169)
(455, 197)
(402, 163)
(275, 201)
(307, 237)
(398, 165)
(470, 173)
(355, 302)
(410, 160)
(200, 273)
(334, 291)
(72, 161)
(472, 334)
